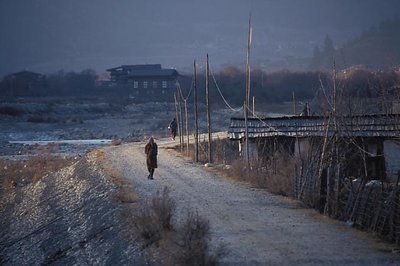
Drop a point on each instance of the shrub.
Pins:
(195, 238)
(164, 207)
(148, 227)
(187, 245)
(155, 216)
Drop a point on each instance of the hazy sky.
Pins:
(49, 35)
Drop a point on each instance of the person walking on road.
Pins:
(151, 151)
(172, 127)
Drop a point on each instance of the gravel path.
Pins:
(258, 228)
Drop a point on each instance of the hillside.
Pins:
(376, 48)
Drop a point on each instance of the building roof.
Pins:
(300, 126)
(26, 73)
(132, 71)
(136, 67)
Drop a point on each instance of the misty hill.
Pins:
(376, 48)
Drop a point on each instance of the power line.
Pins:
(190, 91)
(222, 96)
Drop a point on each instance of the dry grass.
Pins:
(125, 192)
(115, 174)
(22, 172)
(155, 216)
(223, 151)
(275, 175)
(126, 195)
(195, 235)
(116, 142)
(169, 244)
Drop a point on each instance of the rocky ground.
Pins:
(77, 119)
(70, 217)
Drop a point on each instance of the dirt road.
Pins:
(258, 228)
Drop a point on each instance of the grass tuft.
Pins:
(155, 215)
(18, 173)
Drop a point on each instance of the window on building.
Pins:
(135, 84)
(155, 84)
(164, 84)
(163, 91)
(145, 84)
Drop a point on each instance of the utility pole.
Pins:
(254, 110)
(187, 128)
(247, 100)
(177, 117)
(248, 65)
(334, 88)
(247, 142)
(182, 141)
(294, 103)
(196, 132)
(208, 112)
(336, 145)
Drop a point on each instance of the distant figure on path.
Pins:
(151, 152)
(172, 127)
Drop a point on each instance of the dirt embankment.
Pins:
(68, 217)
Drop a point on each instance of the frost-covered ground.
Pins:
(57, 120)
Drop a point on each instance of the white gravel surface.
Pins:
(258, 228)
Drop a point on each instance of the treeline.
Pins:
(276, 87)
(376, 48)
(59, 84)
(71, 83)
(280, 86)
(265, 87)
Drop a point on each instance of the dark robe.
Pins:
(151, 152)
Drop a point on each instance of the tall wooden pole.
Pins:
(247, 155)
(294, 103)
(336, 145)
(196, 132)
(182, 141)
(177, 116)
(187, 129)
(334, 88)
(247, 100)
(208, 112)
(247, 103)
(254, 110)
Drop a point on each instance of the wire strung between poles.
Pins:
(222, 96)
